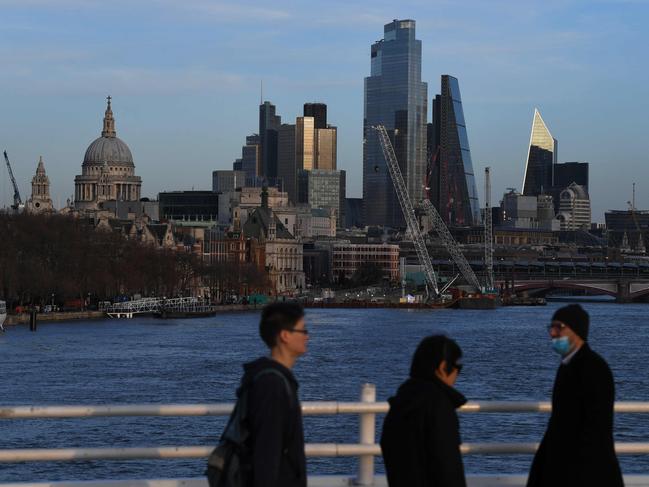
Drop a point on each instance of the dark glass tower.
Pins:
(269, 124)
(451, 181)
(395, 97)
(541, 158)
(319, 113)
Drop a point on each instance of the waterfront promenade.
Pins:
(150, 361)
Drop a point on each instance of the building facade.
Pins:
(224, 181)
(396, 97)
(251, 156)
(189, 205)
(323, 189)
(541, 158)
(574, 208)
(347, 258)
(107, 172)
(450, 177)
(319, 113)
(40, 200)
(269, 123)
(287, 168)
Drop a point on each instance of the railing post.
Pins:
(367, 436)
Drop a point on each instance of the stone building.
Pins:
(107, 172)
(574, 208)
(273, 248)
(40, 201)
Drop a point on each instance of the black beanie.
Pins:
(575, 317)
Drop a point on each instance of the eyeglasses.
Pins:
(558, 327)
(304, 332)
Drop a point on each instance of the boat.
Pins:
(3, 314)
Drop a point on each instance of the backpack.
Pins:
(230, 463)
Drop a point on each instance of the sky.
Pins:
(185, 79)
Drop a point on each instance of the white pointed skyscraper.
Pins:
(541, 156)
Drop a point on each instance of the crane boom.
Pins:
(488, 232)
(451, 245)
(406, 207)
(18, 202)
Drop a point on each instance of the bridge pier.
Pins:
(623, 291)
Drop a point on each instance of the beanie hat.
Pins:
(575, 317)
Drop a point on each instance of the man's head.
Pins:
(437, 356)
(282, 327)
(569, 328)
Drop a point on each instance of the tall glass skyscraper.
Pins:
(451, 182)
(269, 124)
(395, 97)
(541, 157)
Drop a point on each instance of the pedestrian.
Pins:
(421, 432)
(577, 448)
(274, 413)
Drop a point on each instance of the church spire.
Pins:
(109, 121)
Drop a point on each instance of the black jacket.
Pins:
(421, 436)
(275, 421)
(577, 448)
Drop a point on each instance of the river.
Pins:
(507, 356)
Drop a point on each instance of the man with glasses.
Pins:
(578, 447)
(274, 413)
(421, 433)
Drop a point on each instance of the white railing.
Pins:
(366, 449)
(150, 305)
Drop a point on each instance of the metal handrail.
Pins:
(366, 449)
(311, 408)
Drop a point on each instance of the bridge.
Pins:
(626, 282)
(128, 309)
(623, 290)
(365, 450)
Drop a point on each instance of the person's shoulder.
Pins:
(595, 363)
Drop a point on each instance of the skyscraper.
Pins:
(287, 168)
(450, 178)
(395, 97)
(541, 157)
(268, 125)
(319, 112)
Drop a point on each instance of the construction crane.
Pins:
(640, 247)
(488, 233)
(438, 224)
(18, 202)
(407, 208)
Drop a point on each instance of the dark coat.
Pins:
(275, 420)
(578, 448)
(421, 436)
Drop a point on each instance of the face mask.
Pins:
(561, 345)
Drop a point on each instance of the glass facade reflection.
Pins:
(451, 181)
(395, 97)
(541, 157)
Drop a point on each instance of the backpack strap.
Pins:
(271, 370)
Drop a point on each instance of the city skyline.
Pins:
(193, 107)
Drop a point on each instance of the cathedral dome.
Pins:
(108, 148)
(112, 150)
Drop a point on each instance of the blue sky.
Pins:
(185, 79)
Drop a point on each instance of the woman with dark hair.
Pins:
(421, 433)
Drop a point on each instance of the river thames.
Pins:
(507, 356)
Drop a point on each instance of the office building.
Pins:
(323, 189)
(269, 124)
(251, 156)
(541, 158)
(396, 97)
(189, 205)
(287, 168)
(224, 181)
(574, 208)
(304, 143)
(319, 113)
(450, 176)
(326, 148)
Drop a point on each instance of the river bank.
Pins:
(64, 316)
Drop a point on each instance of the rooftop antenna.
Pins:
(261, 92)
(633, 198)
